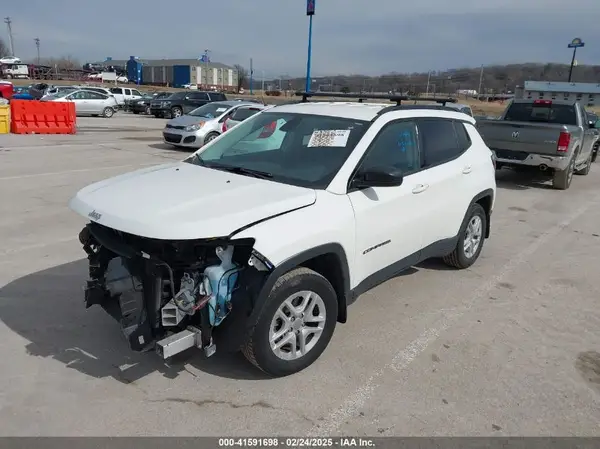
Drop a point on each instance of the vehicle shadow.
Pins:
(46, 308)
(522, 180)
(164, 146)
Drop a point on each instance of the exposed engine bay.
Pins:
(171, 295)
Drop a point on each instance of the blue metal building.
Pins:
(134, 70)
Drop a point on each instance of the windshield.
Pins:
(210, 110)
(298, 149)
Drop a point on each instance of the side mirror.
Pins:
(378, 177)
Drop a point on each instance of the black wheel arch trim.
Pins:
(484, 194)
(295, 261)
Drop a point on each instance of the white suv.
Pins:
(261, 239)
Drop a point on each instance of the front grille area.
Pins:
(172, 138)
(175, 127)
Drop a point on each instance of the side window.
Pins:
(464, 141)
(136, 93)
(127, 91)
(117, 90)
(198, 96)
(440, 143)
(96, 96)
(397, 146)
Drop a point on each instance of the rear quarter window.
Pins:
(543, 112)
(244, 113)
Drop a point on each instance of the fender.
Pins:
(297, 260)
(479, 196)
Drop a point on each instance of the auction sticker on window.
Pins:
(329, 138)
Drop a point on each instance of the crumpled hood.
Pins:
(182, 201)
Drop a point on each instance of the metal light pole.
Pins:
(575, 44)
(251, 77)
(310, 12)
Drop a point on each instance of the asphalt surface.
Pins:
(509, 347)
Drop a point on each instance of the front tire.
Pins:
(296, 324)
(176, 112)
(210, 136)
(595, 152)
(470, 239)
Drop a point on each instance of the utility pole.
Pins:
(263, 81)
(480, 82)
(8, 23)
(251, 77)
(37, 44)
(206, 66)
(428, 79)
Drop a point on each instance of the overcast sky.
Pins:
(348, 37)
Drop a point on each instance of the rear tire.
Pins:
(277, 323)
(108, 112)
(586, 168)
(470, 239)
(562, 178)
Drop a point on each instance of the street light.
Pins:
(310, 12)
(575, 44)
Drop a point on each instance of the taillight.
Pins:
(564, 139)
(224, 127)
(542, 102)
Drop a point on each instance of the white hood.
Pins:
(182, 201)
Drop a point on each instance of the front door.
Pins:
(389, 219)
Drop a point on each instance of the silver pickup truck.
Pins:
(553, 137)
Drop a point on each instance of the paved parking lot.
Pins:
(509, 347)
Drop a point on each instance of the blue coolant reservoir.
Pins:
(222, 279)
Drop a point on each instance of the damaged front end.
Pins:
(172, 295)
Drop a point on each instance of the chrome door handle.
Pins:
(467, 170)
(420, 188)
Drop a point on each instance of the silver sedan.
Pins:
(87, 102)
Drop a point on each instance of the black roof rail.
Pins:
(398, 99)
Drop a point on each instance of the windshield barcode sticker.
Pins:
(329, 138)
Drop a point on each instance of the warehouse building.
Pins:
(179, 72)
(587, 94)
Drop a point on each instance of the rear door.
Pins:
(447, 186)
(96, 102)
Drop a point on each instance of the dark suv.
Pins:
(181, 103)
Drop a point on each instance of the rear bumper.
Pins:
(505, 157)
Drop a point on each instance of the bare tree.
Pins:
(242, 74)
(4, 50)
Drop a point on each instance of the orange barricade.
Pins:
(42, 117)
